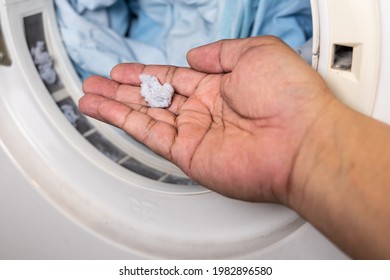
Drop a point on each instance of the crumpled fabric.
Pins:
(98, 34)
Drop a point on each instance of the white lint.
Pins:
(155, 94)
(44, 63)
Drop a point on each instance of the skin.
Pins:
(251, 120)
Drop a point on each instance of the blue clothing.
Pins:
(99, 34)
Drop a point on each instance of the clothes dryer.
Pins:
(73, 187)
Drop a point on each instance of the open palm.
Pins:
(237, 118)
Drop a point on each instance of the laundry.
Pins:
(99, 34)
(305, 51)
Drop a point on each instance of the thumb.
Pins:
(223, 55)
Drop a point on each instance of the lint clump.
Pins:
(155, 94)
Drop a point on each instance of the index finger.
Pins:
(223, 55)
(184, 80)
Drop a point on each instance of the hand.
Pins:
(237, 119)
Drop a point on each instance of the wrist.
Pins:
(340, 180)
(323, 148)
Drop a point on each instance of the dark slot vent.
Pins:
(342, 57)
